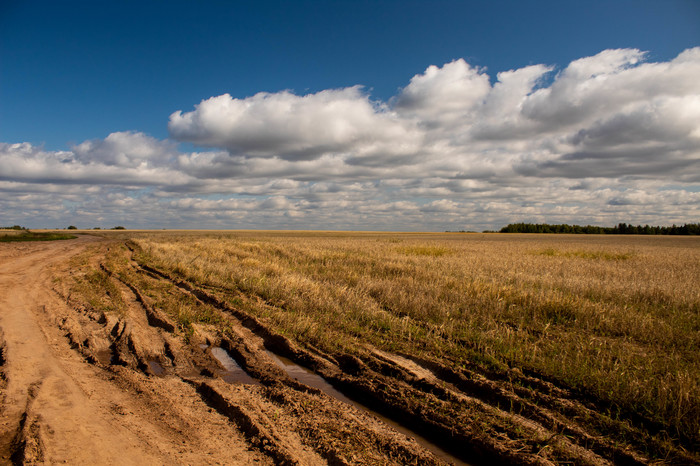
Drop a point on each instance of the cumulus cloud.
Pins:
(126, 149)
(455, 91)
(120, 159)
(607, 138)
(291, 127)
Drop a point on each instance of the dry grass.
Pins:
(616, 318)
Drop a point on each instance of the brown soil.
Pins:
(84, 386)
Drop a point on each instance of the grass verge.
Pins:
(30, 236)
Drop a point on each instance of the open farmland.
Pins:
(526, 349)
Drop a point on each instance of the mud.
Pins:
(308, 377)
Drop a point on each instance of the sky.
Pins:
(349, 115)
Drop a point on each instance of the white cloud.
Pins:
(126, 149)
(607, 138)
(111, 161)
(291, 127)
(444, 95)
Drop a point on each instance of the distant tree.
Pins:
(620, 229)
(72, 227)
(118, 228)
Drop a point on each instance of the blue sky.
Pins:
(74, 73)
(79, 70)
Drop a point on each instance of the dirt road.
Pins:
(58, 408)
(84, 388)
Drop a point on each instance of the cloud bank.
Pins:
(608, 138)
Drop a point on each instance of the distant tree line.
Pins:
(620, 229)
(73, 227)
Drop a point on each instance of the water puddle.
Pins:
(233, 373)
(104, 356)
(314, 380)
(156, 368)
(308, 377)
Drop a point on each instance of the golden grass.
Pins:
(614, 317)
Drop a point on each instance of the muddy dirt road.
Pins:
(88, 388)
(58, 408)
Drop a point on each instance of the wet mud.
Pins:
(310, 378)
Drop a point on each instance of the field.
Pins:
(524, 349)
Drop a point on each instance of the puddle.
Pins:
(104, 356)
(233, 372)
(156, 368)
(314, 380)
(308, 377)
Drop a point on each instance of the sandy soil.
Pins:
(82, 388)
